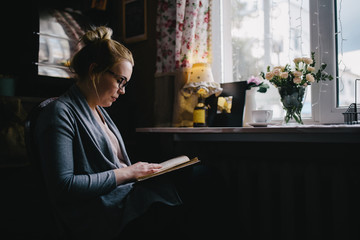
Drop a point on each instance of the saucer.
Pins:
(261, 124)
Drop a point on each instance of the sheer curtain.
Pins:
(183, 38)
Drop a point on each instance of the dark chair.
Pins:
(56, 231)
(30, 125)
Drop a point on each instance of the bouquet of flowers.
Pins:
(303, 75)
(291, 83)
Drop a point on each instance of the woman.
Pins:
(85, 165)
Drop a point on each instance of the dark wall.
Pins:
(19, 51)
(17, 47)
(144, 70)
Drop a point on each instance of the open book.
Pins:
(171, 165)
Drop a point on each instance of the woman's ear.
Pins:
(93, 75)
(92, 67)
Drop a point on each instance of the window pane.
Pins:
(269, 32)
(348, 49)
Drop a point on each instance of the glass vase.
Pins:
(292, 99)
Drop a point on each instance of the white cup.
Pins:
(262, 116)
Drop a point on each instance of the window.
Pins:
(54, 47)
(59, 33)
(258, 33)
(348, 50)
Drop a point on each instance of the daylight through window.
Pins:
(266, 33)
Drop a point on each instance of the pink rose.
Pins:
(253, 79)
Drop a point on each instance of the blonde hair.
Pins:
(102, 51)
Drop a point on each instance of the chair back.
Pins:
(30, 142)
(34, 158)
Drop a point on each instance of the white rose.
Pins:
(277, 72)
(311, 69)
(307, 60)
(282, 68)
(284, 75)
(269, 75)
(297, 80)
(297, 73)
(297, 60)
(310, 78)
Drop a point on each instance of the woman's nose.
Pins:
(121, 90)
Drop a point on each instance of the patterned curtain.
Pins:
(166, 35)
(183, 38)
(183, 34)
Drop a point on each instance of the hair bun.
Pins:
(97, 34)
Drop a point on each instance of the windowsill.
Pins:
(270, 128)
(303, 133)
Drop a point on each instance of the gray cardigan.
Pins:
(78, 162)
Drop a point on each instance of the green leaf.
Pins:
(262, 90)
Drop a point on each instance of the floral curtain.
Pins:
(183, 38)
(165, 41)
(183, 34)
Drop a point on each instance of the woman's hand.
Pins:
(135, 171)
(140, 169)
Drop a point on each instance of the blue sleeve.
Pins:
(56, 133)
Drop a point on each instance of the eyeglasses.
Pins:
(122, 81)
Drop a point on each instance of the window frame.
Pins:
(322, 23)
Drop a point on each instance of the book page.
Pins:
(174, 162)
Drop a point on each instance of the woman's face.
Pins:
(112, 82)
